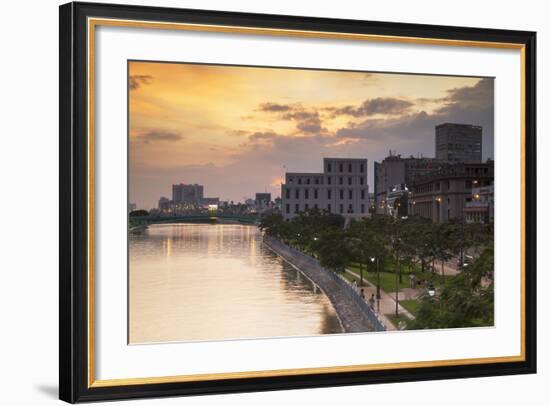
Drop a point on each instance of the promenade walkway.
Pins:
(450, 268)
(386, 305)
(352, 317)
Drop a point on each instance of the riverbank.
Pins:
(352, 311)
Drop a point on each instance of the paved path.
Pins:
(351, 317)
(450, 269)
(387, 301)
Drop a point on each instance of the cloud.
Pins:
(478, 96)
(261, 155)
(136, 81)
(379, 105)
(237, 133)
(159, 135)
(414, 132)
(307, 120)
(259, 135)
(275, 107)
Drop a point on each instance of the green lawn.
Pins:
(387, 279)
(410, 305)
(397, 319)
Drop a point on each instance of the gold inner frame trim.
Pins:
(94, 22)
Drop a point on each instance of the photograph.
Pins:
(268, 202)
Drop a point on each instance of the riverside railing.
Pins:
(339, 280)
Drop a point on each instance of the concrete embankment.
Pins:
(351, 310)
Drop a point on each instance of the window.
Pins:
(297, 208)
(341, 208)
(316, 181)
(362, 208)
(287, 208)
(350, 194)
(307, 181)
(290, 180)
(288, 193)
(307, 207)
(349, 180)
(297, 193)
(361, 180)
(341, 168)
(341, 180)
(299, 181)
(349, 168)
(329, 167)
(362, 194)
(329, 194)
(350, 208)
(341, 194)
(362, 168)
(329, 208)
(329, 180)
(307, 193)
(315, 194)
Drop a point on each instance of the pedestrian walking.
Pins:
(412, 281)
(371, 301)
(362, 293)
(354, 284)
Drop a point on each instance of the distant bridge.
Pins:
(141, 221)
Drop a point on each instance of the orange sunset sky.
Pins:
(236, 130)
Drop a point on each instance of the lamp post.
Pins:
(377, 281)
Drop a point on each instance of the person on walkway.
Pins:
(362, 293)
(371, 301)
(354, 284)
(412, 281)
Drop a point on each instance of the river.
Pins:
(215, 282)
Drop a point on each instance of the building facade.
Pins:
(262, 199)
(164, 203)
(341, 189)
(481, 208)
(395, 170)
(444, 194)
(186, 199)
(183, 193)
(458, 142)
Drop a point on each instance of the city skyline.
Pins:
(237, 130)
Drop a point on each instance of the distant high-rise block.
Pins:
(458, 142)
(183, 193)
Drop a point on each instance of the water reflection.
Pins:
(205, 282)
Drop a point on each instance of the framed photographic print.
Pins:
(256, 202)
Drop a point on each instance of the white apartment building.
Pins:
(341, 189)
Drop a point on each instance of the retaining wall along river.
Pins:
(355, 315)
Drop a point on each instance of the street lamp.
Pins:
(431, 290)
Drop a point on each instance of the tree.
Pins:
(273, 225)
(139, 213)
(333, 251)
(465, 301)
(359, 242)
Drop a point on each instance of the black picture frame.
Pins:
(73, 256)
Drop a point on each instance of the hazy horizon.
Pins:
(237, 130)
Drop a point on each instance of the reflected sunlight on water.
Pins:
(211, 282)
